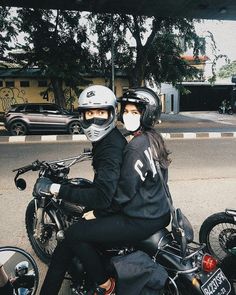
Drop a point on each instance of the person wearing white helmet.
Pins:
(97, 108)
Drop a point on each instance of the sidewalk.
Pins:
(184, 125)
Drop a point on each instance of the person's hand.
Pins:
(89, 215)
(42, 187)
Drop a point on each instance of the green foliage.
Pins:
(159, 44)
(55, 42)
(227, 70)
(7, 30)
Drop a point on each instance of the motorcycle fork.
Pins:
(39, 217)
(39, 211)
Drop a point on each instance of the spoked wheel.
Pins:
(18, 128)
(74, 128)
(215, 231)
(45, 243)
(171, 288)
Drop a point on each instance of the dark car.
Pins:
(27, 118)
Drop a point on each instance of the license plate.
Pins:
(217, 284)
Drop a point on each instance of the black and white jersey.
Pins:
(140, 192)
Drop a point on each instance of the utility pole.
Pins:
(112, 56)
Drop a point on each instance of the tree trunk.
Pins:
(138, 73)
(58, 92)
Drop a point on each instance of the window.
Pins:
(20, 108)
(42, 83)
(32, 108)
(10, 84)
(1, 83)
(50, 109)
(24, 84)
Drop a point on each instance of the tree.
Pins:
(55, 43)
(227, 70)
(156, 54)
(7, 32)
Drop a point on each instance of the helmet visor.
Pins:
(96, 121)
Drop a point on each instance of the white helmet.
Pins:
(21, 268)
(97, 97)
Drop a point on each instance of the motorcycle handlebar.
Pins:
(34, 166)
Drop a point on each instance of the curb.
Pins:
(82, 138)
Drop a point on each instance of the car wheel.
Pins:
(74, 128)
(18, 128)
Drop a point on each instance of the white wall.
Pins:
(170, 98)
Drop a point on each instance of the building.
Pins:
(29, 85)
(196, 95)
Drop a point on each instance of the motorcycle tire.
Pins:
(230, 112)
(46, 245)
(215, 231)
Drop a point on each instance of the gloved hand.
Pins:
(42, 187)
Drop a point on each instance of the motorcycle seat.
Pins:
(155, 242)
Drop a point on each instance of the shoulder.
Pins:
(117, 136)
(139, 142)
(112, 143)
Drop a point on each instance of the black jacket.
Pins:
(107, 160)
(140, 192)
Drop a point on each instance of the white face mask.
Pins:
(131, 121)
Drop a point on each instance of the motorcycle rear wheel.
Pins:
(44, 246)
(215, 231)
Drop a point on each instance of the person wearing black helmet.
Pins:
(140, 192)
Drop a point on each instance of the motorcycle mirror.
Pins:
(18, 270)
(20, 184)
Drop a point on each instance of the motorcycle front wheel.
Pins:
(215, 231)
(45, 245)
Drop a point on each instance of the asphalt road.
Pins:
(202, 179)
(202, 176)
(203, 121)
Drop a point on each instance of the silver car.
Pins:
(22, 119)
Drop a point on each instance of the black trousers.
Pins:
(80, 240)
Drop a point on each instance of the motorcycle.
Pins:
(225, 108)
(218, 232)
(190, 270)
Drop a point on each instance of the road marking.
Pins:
(48, 137)
(16, 138)
(82, 138)
(215, 134)
(189, 135)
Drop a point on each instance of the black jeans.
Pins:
(80, 240)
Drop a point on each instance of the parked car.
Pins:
(27, 118)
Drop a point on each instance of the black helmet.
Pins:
(146, 100)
